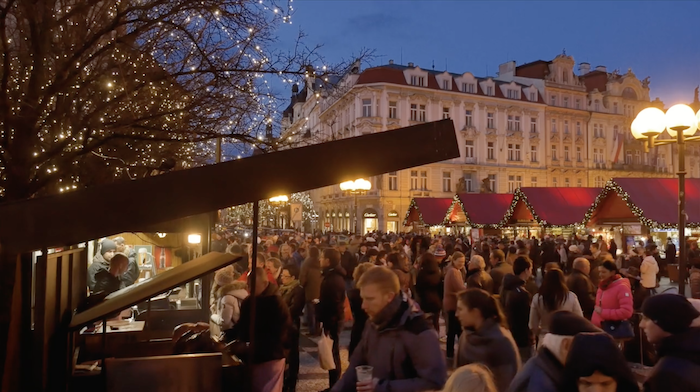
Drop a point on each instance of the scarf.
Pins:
(604, 284)
(384, 318)
(287, 288)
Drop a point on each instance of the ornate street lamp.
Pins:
(357, 187)
(681, 123)
(278, 201)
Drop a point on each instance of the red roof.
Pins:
(537, 69)
(595, 80)
(485, 209)
(557, 206)
(428, 211)
(654, 201)
(382, 75)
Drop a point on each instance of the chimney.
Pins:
(295, 88)
(601, 68)
(506, 69)
(584, 68)
(410, 64)
(391, 62)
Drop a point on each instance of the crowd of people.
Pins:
(548, 314)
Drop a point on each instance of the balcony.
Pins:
(638, 167)
(470, 160)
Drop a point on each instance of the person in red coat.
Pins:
(614, 297)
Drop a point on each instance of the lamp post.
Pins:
(681, 123)
(357, 187)
(278, 201)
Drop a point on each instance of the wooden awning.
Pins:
(427, 211)
(551, 206)
(85, 214)
(480, 210)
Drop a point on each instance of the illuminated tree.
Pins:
(94, 90)
(243, 214)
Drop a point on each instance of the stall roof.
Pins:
(68, 219)
(652, 201)
(428, 211)
(483, 210)
(554, 206)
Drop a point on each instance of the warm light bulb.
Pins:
(681, 118)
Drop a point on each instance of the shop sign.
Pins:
(392, 214)
(370, 215)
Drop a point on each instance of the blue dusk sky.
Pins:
(657, 39)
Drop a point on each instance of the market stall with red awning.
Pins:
(479, 210)
(427, 211)
(550, 206)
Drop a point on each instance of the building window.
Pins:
(566, 153)
(533, 96)
(566, 102)
(601, 130)
(366, 108)
(553, 100)
(533, 182)
(468, 88)
(418, 81)
(595, 130)
(492, 183)
(490, 121)
(468, 180)
(554, 125)
(446, 181)
(445, 84)
(393, 181)
(469, 149)
(596, 156)
(445, 113)
(414, 112)
(511, 184)
(392, 109)
(489, 90)
(424, 180)
(578, 128)
(490, 150)
(421, 113)
(599, 182)
(596, 105)
(513, 94)
(554, 152)
(514, 152)
(628, 157)
(567, 182)
(566, 127)
(533, 153)
(579, 183)
(615, 107)
(414, 179)
(578, 103)
(533, 124)
(554, 181)
(638, 157)
(513, 123)
(578, 154)
(468, 120)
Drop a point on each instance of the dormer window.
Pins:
(417, 80)
(513, 94)
(533, 96)
(489, 90)
(468, 88)
(445, 84)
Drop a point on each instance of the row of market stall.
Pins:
(626, 209)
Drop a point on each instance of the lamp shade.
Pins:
(681, 118)
(363, 184)
(649, 122)
(347, 186)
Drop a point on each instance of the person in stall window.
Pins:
(132, 272)
(108, 280)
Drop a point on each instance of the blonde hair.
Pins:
(382, 277)
(471, 378)
(478, 260)
(361, 269)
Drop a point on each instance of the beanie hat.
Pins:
(671, 312)
(568, 324)
(224, 276)
(439, 251)
(107, 245)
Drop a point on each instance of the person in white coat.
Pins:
(649, 269)
(552, 296)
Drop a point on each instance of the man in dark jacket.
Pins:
(348, 262)
(272, 325)
(516, 304)
(477, 277)
(545, 371)
(100, 262)
(330, 309)
(666, 321)
(293, 295)
(499, 269)
(398, 342)
(580, 284)
(108, 280)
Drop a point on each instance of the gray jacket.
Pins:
(404, 351)
(542, 373)
(493, 346)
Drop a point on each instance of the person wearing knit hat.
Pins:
(545, 371)
(100, 262)
(667, 321)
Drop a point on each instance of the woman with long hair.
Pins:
(553, 295)
(485, 338)
(474, 377)
(429, 287)
(614, 297)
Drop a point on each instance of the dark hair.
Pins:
(333, 256)
(593, 352)
(521, 264)
(498, 255)
(292, 269)
(488, 305)
(429, 263)
(512, 250)
(553, 291)
(382, 253)
(610, 266)
(314, 253)
(372, 252)
(398, 261)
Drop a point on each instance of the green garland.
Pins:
(456, 199)
(408, 213)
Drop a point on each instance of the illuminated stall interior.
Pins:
(427, 214)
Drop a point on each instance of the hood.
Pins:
(684, 345)
(407, 310)
(511, 282)
(329, 271)
(621, 281)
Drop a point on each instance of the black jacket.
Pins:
(428, 288)
(580, 284)
(106, 282)
(331, 309)
(295, 300)
(516, 304)
(359, 319)
(272, 324)
(679, 364)
(542, 373)
(348, 261)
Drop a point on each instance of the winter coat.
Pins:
(454, 283)
(272, 325)
(542, 373)
(228, 305)
(133, 272)
(694, 282)
(359, 318)
(349, 262)
(539, 314)
(297, 259)
(106, 282)
(649, 269)
(671, 253)
(616, 302)
(98, 264)
(295, 300)
(331, 309)
(493, 346)
(580, 284)
(498, 272)
(516, 305)
(310, 278)
(679, 364)
(428, 288)
(480, 279)
(404, 351)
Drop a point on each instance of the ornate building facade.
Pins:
(538, 124)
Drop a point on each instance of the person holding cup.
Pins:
(399, 349)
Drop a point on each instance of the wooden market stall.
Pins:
(426, 212)
(555, 210)
(479, 211)
(37, 338)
